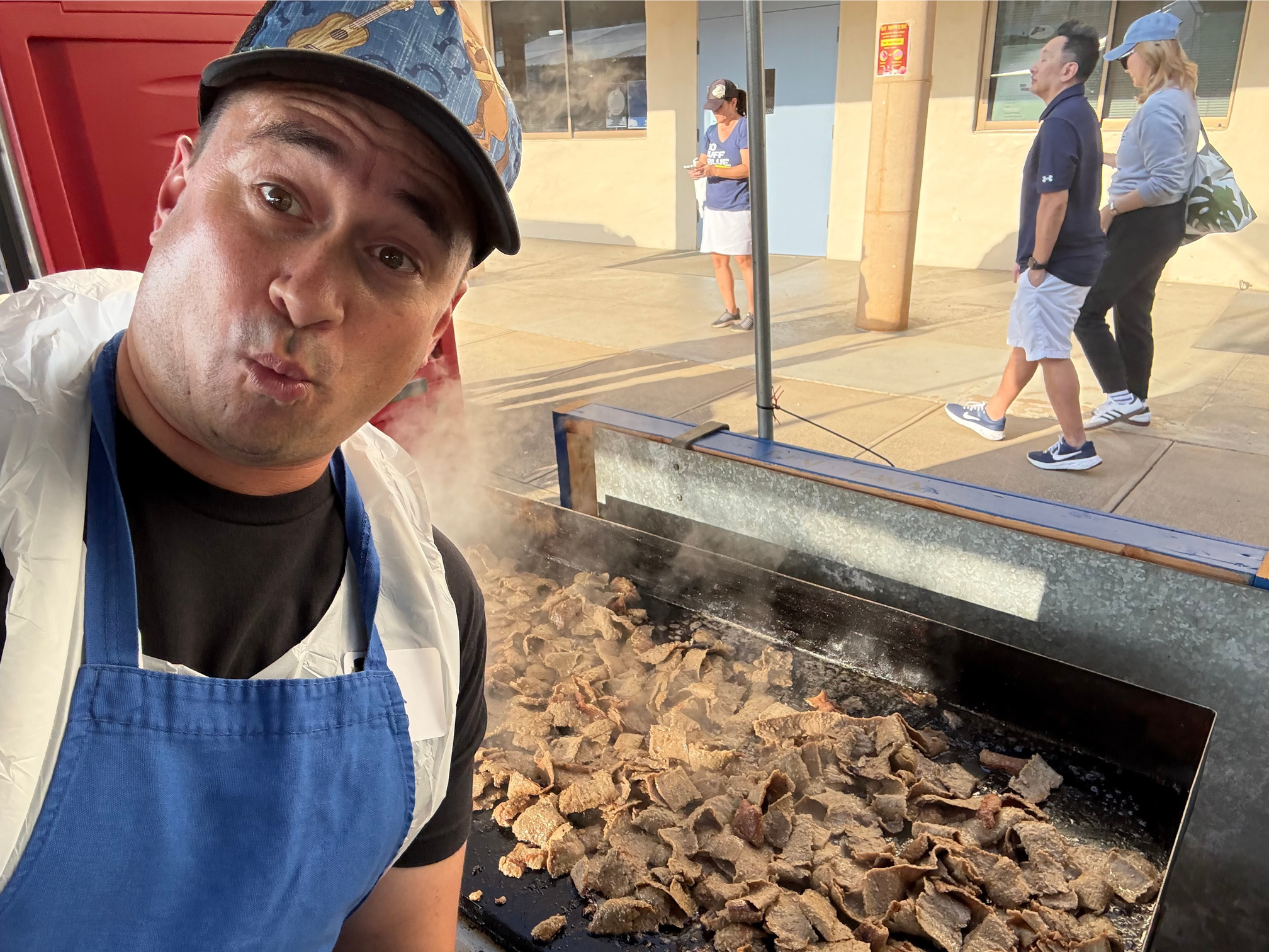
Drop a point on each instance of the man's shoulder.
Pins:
(95, 304)
(1072, 127)
(1075, 111)
(460, 579)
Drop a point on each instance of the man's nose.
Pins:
(306, 290)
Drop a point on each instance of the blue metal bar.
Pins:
(561, 458)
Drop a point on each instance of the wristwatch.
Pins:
(1033, 265)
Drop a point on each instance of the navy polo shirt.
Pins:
(1066, 156)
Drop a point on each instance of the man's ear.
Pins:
(447, 318)
(173, 183)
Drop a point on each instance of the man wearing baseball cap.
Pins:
(241, 678)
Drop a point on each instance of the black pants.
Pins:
(1138, 245)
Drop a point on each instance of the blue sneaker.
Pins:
(974, 416)
(1061, 455)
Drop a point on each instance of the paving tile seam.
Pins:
(1224, 380)
(717, 397)
(577, 366)
(526, 389)
(595, 392)
(1184, 442)
(917, 418)
(464, 343)
(1133, 482)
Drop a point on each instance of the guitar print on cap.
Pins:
(341, 32)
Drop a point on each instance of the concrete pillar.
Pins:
(896, 147)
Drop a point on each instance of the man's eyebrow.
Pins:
(431, 215)
(290, 132)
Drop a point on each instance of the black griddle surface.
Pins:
(1112, 795)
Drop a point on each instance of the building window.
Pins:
(1021, 30)
(573, 67)
(1211, 33)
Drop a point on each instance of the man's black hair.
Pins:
(209, 122)
(1082, 48)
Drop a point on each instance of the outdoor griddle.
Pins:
(1131, 757)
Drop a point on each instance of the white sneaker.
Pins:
(1112, 411)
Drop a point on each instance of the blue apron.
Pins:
(192, 813)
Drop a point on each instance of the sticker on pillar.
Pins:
(892, 49)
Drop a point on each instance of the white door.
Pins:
(801, 46)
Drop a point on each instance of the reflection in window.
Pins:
(1210, 33)
(1022, 29)
(529, 53)
(573, 66)
(608, 42)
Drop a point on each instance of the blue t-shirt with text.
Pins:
(723, 194)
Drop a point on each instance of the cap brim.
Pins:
(1120, 51)
(712, 104)
(496, 219)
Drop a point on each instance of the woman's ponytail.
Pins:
(742, 100)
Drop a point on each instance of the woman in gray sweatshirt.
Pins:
(1144, 219)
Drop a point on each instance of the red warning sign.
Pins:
(892, 49)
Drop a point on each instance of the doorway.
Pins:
(801, 47)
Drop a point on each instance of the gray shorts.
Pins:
(1041, 319)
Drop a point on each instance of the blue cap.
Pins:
(424, 60)
(1153, 26)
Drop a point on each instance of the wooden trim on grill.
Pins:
(1179, 549)
(575, 460)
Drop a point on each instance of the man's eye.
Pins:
(395, 258)
(280, 199)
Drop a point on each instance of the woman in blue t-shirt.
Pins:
(724, 164)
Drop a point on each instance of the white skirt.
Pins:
(726, 233)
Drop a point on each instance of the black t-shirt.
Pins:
(1066, 156)
(227, 584)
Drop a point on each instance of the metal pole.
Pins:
(757, 116)
(28, 260)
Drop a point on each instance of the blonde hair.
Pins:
(1169, 66)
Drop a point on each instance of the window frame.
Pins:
(572, 133)
(983, 124)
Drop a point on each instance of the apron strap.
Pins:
(110, 578)
(111, 627)
(365, 558)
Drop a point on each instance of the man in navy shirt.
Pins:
(1060, 250)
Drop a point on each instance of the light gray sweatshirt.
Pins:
(1156, 153)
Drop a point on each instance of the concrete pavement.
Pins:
(629, 327)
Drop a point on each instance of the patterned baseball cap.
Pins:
(421, 58)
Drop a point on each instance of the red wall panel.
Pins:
(98, 93)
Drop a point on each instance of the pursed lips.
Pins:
(277, 378)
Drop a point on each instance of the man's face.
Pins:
(303, 267)
(1051, 72)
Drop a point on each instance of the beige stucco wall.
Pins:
(971, 180)
(851, 118)
(625, 190)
